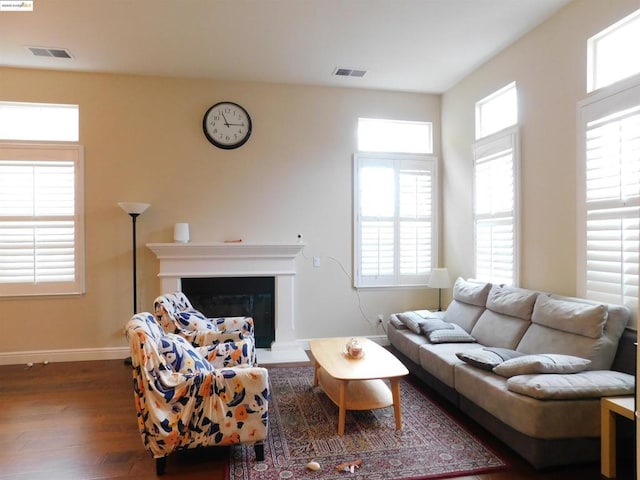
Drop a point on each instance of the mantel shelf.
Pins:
(225, 250)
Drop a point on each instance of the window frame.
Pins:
(509, 138)
(480, 104)
(396, 280)
(46, 151)
(593, 53)
(605, 101)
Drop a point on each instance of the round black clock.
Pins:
(227, 125)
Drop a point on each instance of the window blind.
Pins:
(612, 179)
(41, 238)
(495, 207)
(394, 220)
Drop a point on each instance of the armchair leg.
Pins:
(259, 449)
(161, 464)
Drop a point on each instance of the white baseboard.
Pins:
(75, 355)
(113, 353)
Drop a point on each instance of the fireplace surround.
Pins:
(216, 260)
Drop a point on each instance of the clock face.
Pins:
(227, 125)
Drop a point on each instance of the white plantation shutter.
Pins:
(394, 198)
(611, 198)
(41, 234)
(495, 208)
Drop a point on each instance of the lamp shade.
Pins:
(439, 278)
(134, 208)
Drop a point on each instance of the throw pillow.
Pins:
(181, 356)
(589, 384)
(450, 335)
(430, 325)
(412, 320)
(542, 363)
(487, 358)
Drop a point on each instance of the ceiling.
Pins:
(405, 45)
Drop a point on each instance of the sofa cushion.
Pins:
(588, 384)
(550, 337)
(455, 334)
(181, 356)
(498, 330)
(440, 359)
(515, 302)
(487, 357)
(463, 314)
(469, 301)
(573, 317)
(553, 419)
(543, 363)
(472, 293)
(405, 340)
(506, 318)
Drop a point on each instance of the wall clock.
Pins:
(227, 125)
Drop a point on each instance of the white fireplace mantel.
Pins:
(204, 260)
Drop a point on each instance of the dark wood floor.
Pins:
(77, 420)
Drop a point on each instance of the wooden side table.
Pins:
(609, 407)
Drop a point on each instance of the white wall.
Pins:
(549, 67)
(144, 142)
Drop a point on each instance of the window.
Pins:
(39, 121)
(609, 161)
(612, 54)
(394, 136)
(41, 208)
(497, 111)
(495, 208)
(394, 204)
(496, 173)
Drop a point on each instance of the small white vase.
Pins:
(181, 233)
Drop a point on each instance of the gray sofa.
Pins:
(528, 366)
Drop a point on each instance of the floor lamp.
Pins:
(134, 209)
(439, 279)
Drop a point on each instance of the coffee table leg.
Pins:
(315, 374)
(395, 392)
(342, 407)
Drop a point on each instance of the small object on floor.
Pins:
(314, 466)
(349, 466)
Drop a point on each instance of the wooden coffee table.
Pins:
(357, 383)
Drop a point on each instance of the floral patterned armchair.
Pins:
(185, 401)
(176, 315)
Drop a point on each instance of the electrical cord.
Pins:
(371, 324)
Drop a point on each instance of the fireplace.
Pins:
(234, 297)
(181, 262)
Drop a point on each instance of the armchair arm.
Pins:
(204, 338)
(231, 324)
(230, 353)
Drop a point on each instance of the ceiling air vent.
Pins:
(349, 72)
(50, 52)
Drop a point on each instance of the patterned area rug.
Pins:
(303, 428)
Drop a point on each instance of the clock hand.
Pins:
(225, 119)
